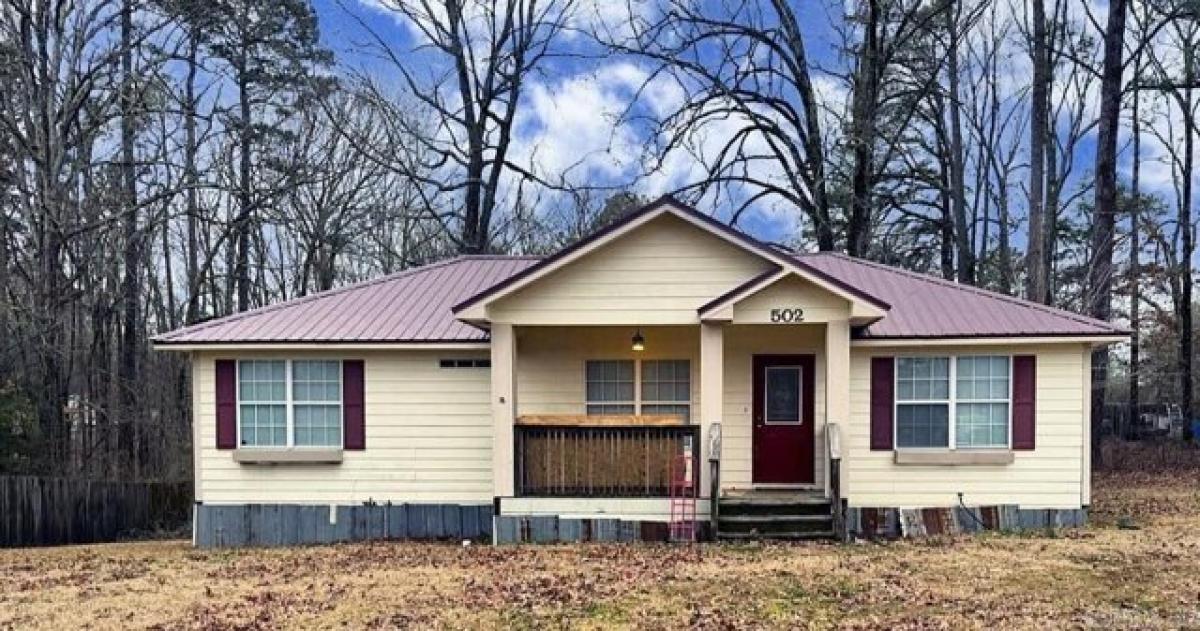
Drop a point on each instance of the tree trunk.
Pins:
(962, 228)
(863, 125)
(1185, 224)
(1035, 272)
(245, 192)
(1134, 266)
(191, 181)
(131, 337)
(1100, 274)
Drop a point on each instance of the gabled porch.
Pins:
(588, 426)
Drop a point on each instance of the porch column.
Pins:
(712, 391)
(837, 382)
(504, 405)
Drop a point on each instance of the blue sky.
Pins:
(570, 106)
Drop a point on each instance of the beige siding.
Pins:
(791, 292)
(550, 361)
(659, 273)
(550, 377)
(428, 435)
(742, 342)
(1051, 476)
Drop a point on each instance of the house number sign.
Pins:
(787, 314)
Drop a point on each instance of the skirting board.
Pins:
(554, 529)
(236, 525)
(891, 523)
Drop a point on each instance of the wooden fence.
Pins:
(38, 511)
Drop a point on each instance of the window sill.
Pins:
(287, 456)
(955, 458)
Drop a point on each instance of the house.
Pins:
(561, 397)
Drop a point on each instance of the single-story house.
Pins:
(591, 393)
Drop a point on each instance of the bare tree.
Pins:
(746, 63)
(478, 56)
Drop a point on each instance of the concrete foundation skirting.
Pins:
(555, 529)
(890, 523)
(233, 525)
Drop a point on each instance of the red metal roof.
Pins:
(929, 307)
(409, 306)
(415, 306)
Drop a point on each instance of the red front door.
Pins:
(783, 419)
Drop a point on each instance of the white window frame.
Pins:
(289, 404)
(766, 417)
(952, 401)
(637, 385)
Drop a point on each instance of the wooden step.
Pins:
(821, 507)
(755, 519)
(815, 535)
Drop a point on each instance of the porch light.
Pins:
(639, 342)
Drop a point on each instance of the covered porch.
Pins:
(587, 424)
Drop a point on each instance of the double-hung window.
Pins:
(290, 403)
(667, 387)
(626, 386)
(953, 402)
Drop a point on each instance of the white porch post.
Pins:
(837, 382)
(712, 391)
(504, 405)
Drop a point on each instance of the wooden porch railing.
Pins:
(601, 460)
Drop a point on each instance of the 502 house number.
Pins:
(787, 314)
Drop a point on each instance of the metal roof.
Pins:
(926, 306)
(416, 306)
(410, 306)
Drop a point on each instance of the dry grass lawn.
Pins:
(1100, 577)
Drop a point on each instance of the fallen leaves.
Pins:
(1103, 576)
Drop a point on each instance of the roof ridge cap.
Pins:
(972, 289)
(499, 257)
(237, 317)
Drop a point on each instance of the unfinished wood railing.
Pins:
(606, 460)
(833, 444)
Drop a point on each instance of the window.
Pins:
(976, 389)
(317, 403)
(667, 387)
(610, 387)
(283, 403)
(981, 416)
(923, 402)
(664, 387)
(783, 394)
(262, 402)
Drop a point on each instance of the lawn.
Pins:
(1146, 576)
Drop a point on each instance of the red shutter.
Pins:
(354, 433)
(1024, 388)
(226, 404)
(883, 390)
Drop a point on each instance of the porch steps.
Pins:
(774, 515)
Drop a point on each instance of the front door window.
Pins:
(783, 394)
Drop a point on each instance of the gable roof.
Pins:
(412, 306)
(417, 306)
(665, 205)
(927, 307)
